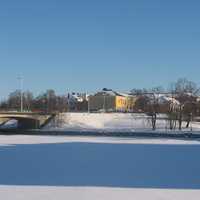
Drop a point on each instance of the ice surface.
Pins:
(62, 167)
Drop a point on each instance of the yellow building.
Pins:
(120, 103)
(110, 101)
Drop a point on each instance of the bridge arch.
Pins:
(25, 122)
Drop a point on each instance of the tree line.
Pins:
(46, 102)
(184, 104)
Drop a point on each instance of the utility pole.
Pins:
(88, 104)
(20, 78)
(104, 103)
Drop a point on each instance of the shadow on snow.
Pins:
(94, 164)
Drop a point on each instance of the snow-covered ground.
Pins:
(96, 168)
(111, 122)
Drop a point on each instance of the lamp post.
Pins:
(21, 93)
(88, 104)
(104, 102)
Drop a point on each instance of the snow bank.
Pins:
(115, 122)
(93, 193)
(12, 140)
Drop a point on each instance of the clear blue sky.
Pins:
(85, 45)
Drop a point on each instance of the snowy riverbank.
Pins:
(111, 122)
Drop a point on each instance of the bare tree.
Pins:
(153, 110)
(14, 100)
(28, 100)
(171, 109)
(141, 103)
(149, 104)
(185, 92)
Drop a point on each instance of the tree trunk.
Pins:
(188, 123)
(153, 119)
(180, 121)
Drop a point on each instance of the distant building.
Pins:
(164, 100)
(110, 101)
(77, 101)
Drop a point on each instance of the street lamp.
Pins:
(21, 93)
(104, 102)
(88, 104)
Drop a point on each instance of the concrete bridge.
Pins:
(26, 120)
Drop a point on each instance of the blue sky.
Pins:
(76, 45)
